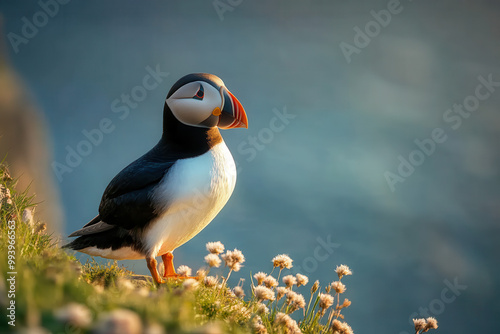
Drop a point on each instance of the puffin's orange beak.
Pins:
(233, 115)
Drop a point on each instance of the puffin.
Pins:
(167, 196)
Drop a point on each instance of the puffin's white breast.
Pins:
(190, 195)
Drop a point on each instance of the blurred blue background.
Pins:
(321, 177)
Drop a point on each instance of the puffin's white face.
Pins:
(197, 104)
(200, 104)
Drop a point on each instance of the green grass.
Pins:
(48, 279)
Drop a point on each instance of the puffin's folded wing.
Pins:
(127, 201)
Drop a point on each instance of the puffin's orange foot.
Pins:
(151, 261)
(168, 265)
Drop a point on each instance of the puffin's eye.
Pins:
(199, 95)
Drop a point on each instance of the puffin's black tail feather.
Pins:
(95, 220)
(113, 238)
(67, 246)
(92, 229)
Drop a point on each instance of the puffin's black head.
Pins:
(202, 100)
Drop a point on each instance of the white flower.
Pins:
(190, 284)
(201, 273)
(325, 301)
(263, 293)
(281, 291)
(270, 282)
(338, 287)
(262, 309)
(233, 259)
(184, 271)
(341, 327)
(27, 217)
(119, 321)
(210, 281)
(295, 300)
(282, 261)
(419, 324)
(286, 321)
(213, 260)
(343, 270)
(125, 284)
(302, 279)
(215, 247)
(431, 324)
(74, 314)
(260, 276)
(289, 281)
(258, 325)
(238, 292)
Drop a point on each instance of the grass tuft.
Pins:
(105, 275)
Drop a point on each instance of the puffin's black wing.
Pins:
(128, 199)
